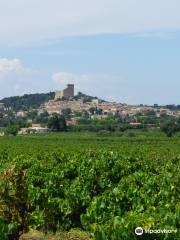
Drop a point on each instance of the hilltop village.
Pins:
(102, 109)
(80, 111)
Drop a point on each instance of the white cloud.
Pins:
(92, 84)
(155, 34)
(64, 78)
(12, 67)
(32, 20)
(15, 78)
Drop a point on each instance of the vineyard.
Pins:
(105, 186)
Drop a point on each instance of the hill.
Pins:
(27, 101)
(33, 101)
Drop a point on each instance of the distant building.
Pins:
(95, 101)
(2, 106)
(67, 92)
(20, 114)
(36, 128)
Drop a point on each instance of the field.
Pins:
(105, 185)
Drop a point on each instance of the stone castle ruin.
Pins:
(66, 93)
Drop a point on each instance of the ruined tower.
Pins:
(67, 92)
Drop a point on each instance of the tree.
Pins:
(28, 101)
(92, 110)
(67, 113)
(170, 128)
(99, 111)
(57, 123)
(12, 130)
(42, 118)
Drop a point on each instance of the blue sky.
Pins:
(125, 51)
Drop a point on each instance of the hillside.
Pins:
(33, 101)
(27, 101)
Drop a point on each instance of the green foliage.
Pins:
(3, 229)
(106, 186)
(12, 130)
(170, 128)
(130, 133)
(27, 101)
(57, 123)
(66, 113)
(86, 98)
(13, 202)
(73, 234)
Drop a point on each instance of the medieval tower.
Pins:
(67, 92)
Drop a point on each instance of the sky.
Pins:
(126, 51)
